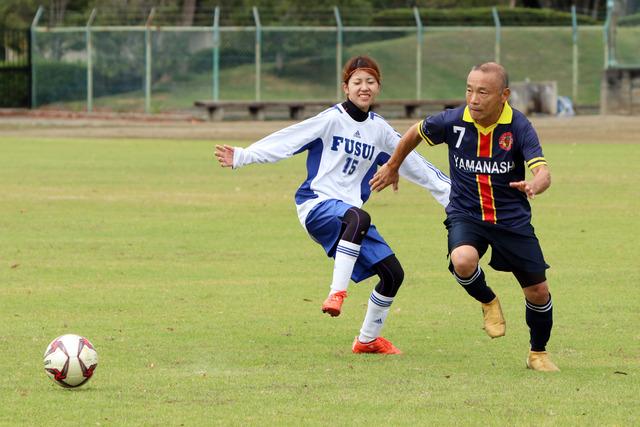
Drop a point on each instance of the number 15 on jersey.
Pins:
(350, 166)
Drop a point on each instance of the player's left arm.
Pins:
(388, 174)
(540, 182)
(419, 170)
(429, 130)
(535, 161)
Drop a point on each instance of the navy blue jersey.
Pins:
(483, 161)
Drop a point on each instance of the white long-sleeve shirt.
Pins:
(343, 154)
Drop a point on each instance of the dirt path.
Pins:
(580, 129)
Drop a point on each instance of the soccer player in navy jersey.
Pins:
(345, 144)
(489, 146)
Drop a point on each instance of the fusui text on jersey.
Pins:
(353, 147)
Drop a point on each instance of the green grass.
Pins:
(202, 295)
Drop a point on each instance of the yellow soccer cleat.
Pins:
(540, 361)
(333, 304)
(494, 323)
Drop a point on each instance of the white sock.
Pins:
(377, 311)
(346, 256)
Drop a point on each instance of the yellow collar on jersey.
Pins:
(505, 118)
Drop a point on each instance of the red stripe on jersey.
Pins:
(485, 189)
(487, 203)
(484, 144)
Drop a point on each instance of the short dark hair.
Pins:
(494, 67)
(361, 62)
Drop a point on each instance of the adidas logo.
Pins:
(378, 321)
(357, 134)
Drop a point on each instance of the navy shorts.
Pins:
(512, 249)
(324, 224)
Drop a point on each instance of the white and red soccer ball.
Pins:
(70, 360)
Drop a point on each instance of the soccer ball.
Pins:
(70, 360)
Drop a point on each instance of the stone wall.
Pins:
(620, 91)
(534, 97)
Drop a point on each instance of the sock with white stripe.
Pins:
(540, 320)
(476, 286)
(346, 256)
(377, 311)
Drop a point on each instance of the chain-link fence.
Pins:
(625, 48)
(160, 69)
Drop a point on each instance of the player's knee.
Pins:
(537, 294)
(391, 276)
(464, 263)
(360, 218)
(393, 273)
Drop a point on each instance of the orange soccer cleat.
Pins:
(379, 345)
(333, 303)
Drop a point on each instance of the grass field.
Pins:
(202, 295)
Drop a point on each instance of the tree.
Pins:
(188, 12)
(18, 13)
(57, 8)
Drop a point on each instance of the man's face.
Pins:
(485, 96)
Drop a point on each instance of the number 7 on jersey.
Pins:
(460, 130)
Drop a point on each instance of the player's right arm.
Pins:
(277, 146)
(388, 173)
(224, 154)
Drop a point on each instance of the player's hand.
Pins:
(224, 154)
(383, 178)
(525, 187)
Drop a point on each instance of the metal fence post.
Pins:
(496, 21)
(147, 73)
(90, 62)
(609, 42)
(339, 43)
(416, 15)
(32, 53)
(256, 18)
(605, 36)
(216, 53)
(574, 24)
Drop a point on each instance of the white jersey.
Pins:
(343, 154)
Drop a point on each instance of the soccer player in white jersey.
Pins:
(345, 144)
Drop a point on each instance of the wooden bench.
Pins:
(257, 108)
(296, 109)
(412, 106)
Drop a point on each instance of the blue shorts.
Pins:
(512, 249)
(324, 224)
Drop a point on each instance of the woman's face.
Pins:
(362, 89)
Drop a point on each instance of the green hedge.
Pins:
(630, 20)
(66, 81)
(14, 89)
(60, 81)
(479, 16)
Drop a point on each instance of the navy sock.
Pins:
(540, 320)
(476, 286)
